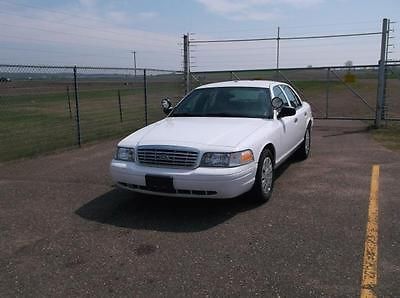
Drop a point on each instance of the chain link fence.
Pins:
(337, 92)
(44, 108)
(392, 96)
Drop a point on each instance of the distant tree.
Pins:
(349, 77)
(309, 66)
(348, 63)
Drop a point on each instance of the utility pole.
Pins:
(278, 48)
(386, 99)
(134, 61)
(278, 39)
(380, 100)
(186, 62)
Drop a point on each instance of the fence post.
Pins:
(119, 105)
(145, 96)
(328, 79)
(78, 120)
(278, 39)
(380, 100)
(186, 62)
(69, 103)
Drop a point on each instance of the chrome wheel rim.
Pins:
(307, 142)
(267, 175)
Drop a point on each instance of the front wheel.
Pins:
(305, 147)
(264, 182)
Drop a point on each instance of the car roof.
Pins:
(242, 83)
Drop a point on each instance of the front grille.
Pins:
(167, 157)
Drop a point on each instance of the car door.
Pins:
(288, 132)
(300, 119)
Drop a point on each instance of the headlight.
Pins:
(125, 154)
(226, 160)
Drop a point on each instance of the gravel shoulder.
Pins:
(66, 231)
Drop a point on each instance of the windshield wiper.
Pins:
(232, 115)
(214, 115)
(184, 115)
(223, 115)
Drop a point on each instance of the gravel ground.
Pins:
(65, 231)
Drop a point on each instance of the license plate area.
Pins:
(160, 183)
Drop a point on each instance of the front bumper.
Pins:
(199, 182)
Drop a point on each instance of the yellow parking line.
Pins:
(369, 274)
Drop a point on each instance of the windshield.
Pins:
(226, 102)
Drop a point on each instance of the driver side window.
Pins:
(279, 93)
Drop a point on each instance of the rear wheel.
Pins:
(304, 151)
(264, 182)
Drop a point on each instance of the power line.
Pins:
(164, 39)
(233, 49)
(49, 10)
(72, 42)
(69, 52)
(63, 53)
(334, 24)
(331, 36)
(284, 38)
(341, 24)
(69, 33)
(126, 34)
(284, 46)
(231, 40)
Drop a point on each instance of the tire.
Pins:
(304, 150)
(264, 181)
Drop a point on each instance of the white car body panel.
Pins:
(212, 134)
(198, 131)
(239, 179)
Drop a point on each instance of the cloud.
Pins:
(147, 15)
(224, 6)
(256, 10)
(121, 17)
(254, 16)
(88, 3)
(118, 17)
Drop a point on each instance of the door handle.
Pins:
(305, 113)
(295, 120)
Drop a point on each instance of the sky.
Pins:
(104, 33)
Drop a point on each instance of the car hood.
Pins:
(196, 132)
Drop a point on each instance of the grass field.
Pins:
(36, 120)
(331, 97)
(35, 115)
(389, 136)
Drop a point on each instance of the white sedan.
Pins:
(220, 141)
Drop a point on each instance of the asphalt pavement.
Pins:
(66, 231)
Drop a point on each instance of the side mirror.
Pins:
(277, 103)
(286, 111)
(166, 105)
